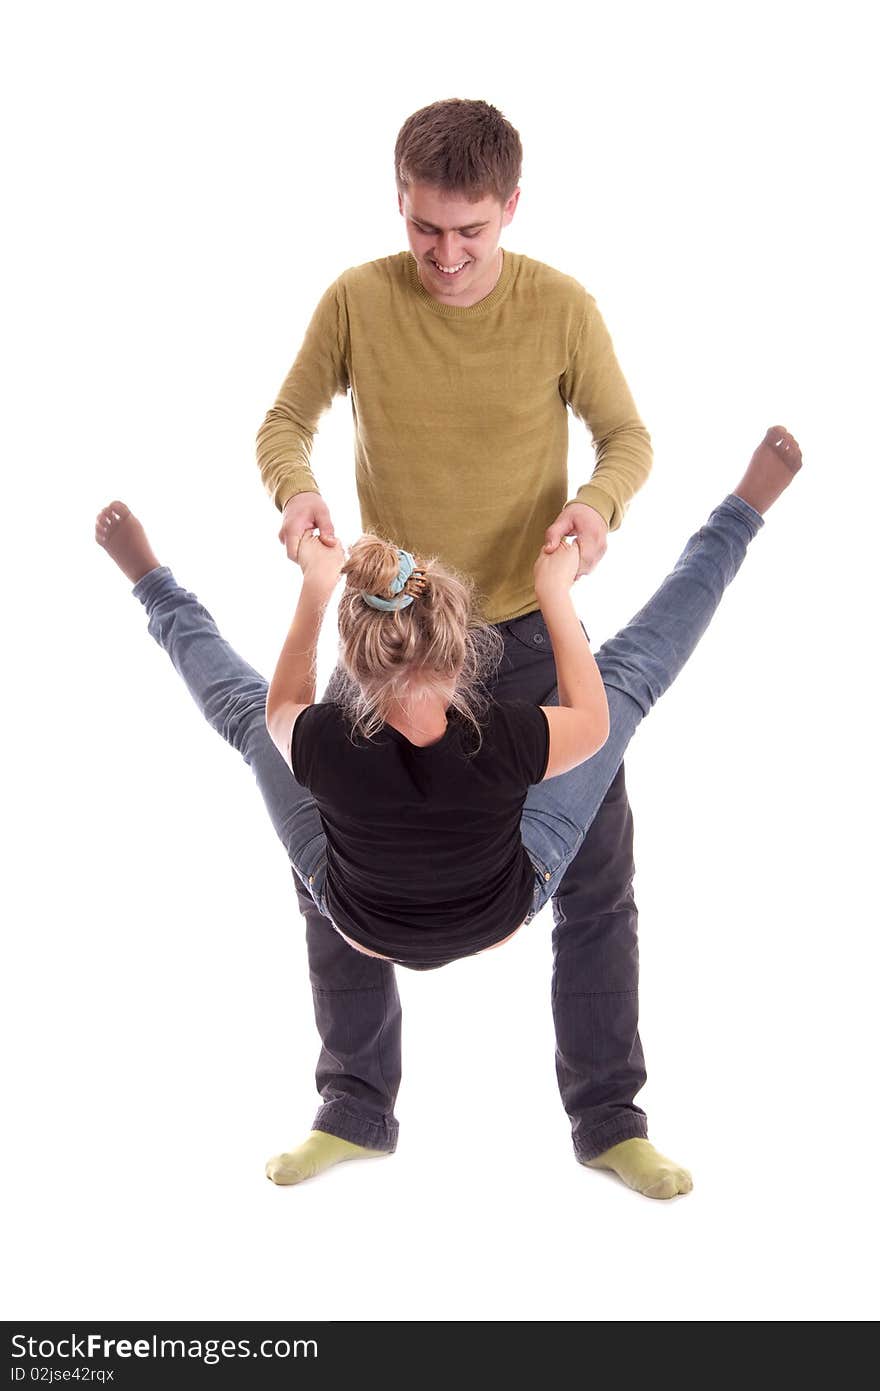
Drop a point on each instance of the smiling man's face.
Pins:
(455, 242)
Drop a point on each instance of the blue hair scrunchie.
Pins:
(407, 566)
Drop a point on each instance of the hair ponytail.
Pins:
(433, 645)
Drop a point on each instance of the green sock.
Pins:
(643, 1168)
(319, 1152)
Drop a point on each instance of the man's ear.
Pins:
(400, 204)
(510, 208)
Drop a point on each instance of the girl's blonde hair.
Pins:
(436, 645)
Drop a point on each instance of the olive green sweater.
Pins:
(460, 419)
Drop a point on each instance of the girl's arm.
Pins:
(579, 724)
(292, 688)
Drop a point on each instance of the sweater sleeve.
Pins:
(320, 372)
(595, 388)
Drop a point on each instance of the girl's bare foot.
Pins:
(125, 541)
(773, 465)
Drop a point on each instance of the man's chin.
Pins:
(441, 277)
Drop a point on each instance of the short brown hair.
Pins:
(460, 146)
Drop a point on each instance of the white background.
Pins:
(182, 183)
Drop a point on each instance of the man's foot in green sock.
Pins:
(319, 1152)
(643, 1168)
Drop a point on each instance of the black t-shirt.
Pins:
(424, 857)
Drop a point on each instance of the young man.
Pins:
(461, 360)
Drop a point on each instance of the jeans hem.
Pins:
(154, 583)
(374, 1135)
(745, 510)
(631, 1127)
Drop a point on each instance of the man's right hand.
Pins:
(304, 513)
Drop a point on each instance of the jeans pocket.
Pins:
(530, 632)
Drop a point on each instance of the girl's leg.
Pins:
(229, 693)
(232, 697)
(637, 666)
(645, 657)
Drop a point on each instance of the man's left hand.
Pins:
(589, 529)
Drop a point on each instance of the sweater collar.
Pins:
(455, 311)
